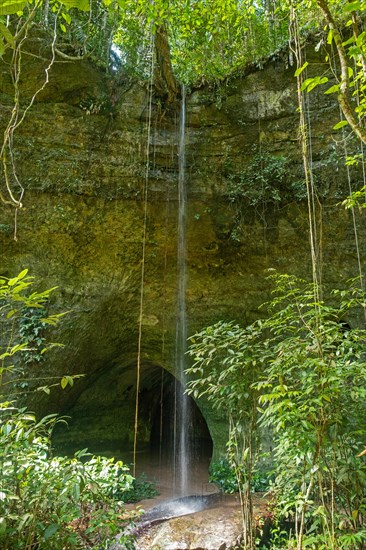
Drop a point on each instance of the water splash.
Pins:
(174, 508)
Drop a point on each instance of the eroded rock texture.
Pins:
(83, 156)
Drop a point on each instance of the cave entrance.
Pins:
(159, 420)
(159, 394)
(166, 423)
(102, 417)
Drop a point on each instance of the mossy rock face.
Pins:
(81, 154)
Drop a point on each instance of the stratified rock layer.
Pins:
(84, 157)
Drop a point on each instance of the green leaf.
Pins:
(45, 389)
(2, 527)
(22, 274)
(352, 6)
(301, 69)
(51, 530)
(62, 27)
(11, 313)
(67, 17)
(332, 89)
(317, 81)
(9, 7)
(83, 5)
(306, 83)
(67, 380)
(349, 41)
(25, 519)
(8, 37)
(311, 83)
(340, 124)
(75, 491)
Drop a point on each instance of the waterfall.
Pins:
(181, 444)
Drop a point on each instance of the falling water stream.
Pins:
(196, 493)
(181, 443)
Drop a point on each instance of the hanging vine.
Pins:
(314, 205)
(14, 190)
(142, 279)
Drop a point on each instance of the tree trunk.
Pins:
(164, 80)
(344, 86)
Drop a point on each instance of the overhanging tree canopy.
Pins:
(194, 41)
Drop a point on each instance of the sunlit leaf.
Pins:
(83, 5)
(11, 313)
(332, 89)
(67, 17)
(8, 37)
(340, 124)
(2, 523)
(351, 6)
(301, 69)
(8, 7)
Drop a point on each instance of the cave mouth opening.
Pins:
(102, 420)
(166, 423)
(157, 456)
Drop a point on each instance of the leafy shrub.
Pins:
(31, 331)
(310, 390)
(225, 477)
(47, 502)
(263, 181)
(23, 319)
(140, 489)
(55, 502)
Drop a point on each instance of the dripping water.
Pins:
(181, 444)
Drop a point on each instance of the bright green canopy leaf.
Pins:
(9, 38)
(340, 125)
(8, 7)
(301, 69)
(352, 6)
(333, 89)
(83, 5)
(311, 83)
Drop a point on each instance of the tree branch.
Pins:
(343, 96)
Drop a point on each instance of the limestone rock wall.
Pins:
(82, 156)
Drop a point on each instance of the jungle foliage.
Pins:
(208, 39)
(185, 41)
(299, 375)
(47, 501)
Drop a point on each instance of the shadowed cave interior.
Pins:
(102, 418)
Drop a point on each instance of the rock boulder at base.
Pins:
(215, 529)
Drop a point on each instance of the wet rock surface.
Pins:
(213, 529)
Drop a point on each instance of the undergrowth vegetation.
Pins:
(298, 375)
(46, 501)
(225, 477)
(54, 502)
